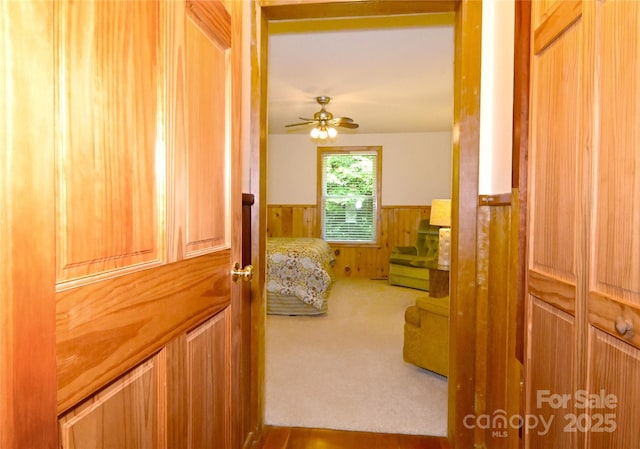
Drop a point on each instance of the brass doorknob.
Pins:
(245, 273)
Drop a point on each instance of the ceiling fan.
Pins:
(325, 122)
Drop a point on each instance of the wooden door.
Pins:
(583, 362)
(613, 289)
(148, 223)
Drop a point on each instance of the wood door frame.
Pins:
(27, 255)
(466, 128)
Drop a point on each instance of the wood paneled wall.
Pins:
(398, 225)
(498, 370)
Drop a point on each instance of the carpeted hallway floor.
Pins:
(345, 370)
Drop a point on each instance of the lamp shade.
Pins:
(440, 213)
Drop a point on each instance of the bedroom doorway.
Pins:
(465, 160)
(359, 208)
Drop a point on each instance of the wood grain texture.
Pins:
(601, 40)
(208, 384)
(247, 430)
(208, 148)
(296, 9)
(103, 329)
(558, 185)
(466, 144)
(482, 318)
(553, 164)
(616, 258)
(27, 226)
(615, 370)
(522, 44)
(498, 371)
(129, 413)
(553, 291)
(555, 20)
(108, 211)
(107, 327)
(303, 438)
(214, 18)
(398, 227)
(177, 422)
(606, 313)
(614, 272)
(258, 83)
(551, 349)
(540, 9)
(520, 157)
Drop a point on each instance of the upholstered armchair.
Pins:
(409, 265)
(426, 334)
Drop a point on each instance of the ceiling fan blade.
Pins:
(323, 118)
(348, 125)
(298, 124)
(337, 120)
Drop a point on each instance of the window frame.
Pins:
(343, 150)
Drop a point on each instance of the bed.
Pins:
(299, 275)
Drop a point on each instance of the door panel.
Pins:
(208, 362)
(615, 371)
(553, 207)
(109, 208)
(550, 372)
(616, 268)
(207, 95)
(127, 414)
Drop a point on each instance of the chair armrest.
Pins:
(412, 316)
(439, 306)
(412, 250)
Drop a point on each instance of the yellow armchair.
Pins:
(426, 334)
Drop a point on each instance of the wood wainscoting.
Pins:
(498, 370)
(398, 225)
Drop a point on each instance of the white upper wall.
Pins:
(496, 97)
(495, 119)
(416, 167)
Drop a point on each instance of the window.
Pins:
(349, 193)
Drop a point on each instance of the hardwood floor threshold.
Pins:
(311, 438)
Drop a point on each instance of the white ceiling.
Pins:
(389, 74)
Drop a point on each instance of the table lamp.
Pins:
(441, 216)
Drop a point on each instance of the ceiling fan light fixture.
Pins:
(323, 132)
(324, 121)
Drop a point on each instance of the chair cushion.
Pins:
(408, 260)
(439, 306)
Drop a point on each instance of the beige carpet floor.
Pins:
(344, 370)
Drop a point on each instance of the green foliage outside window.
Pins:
(349, 197)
